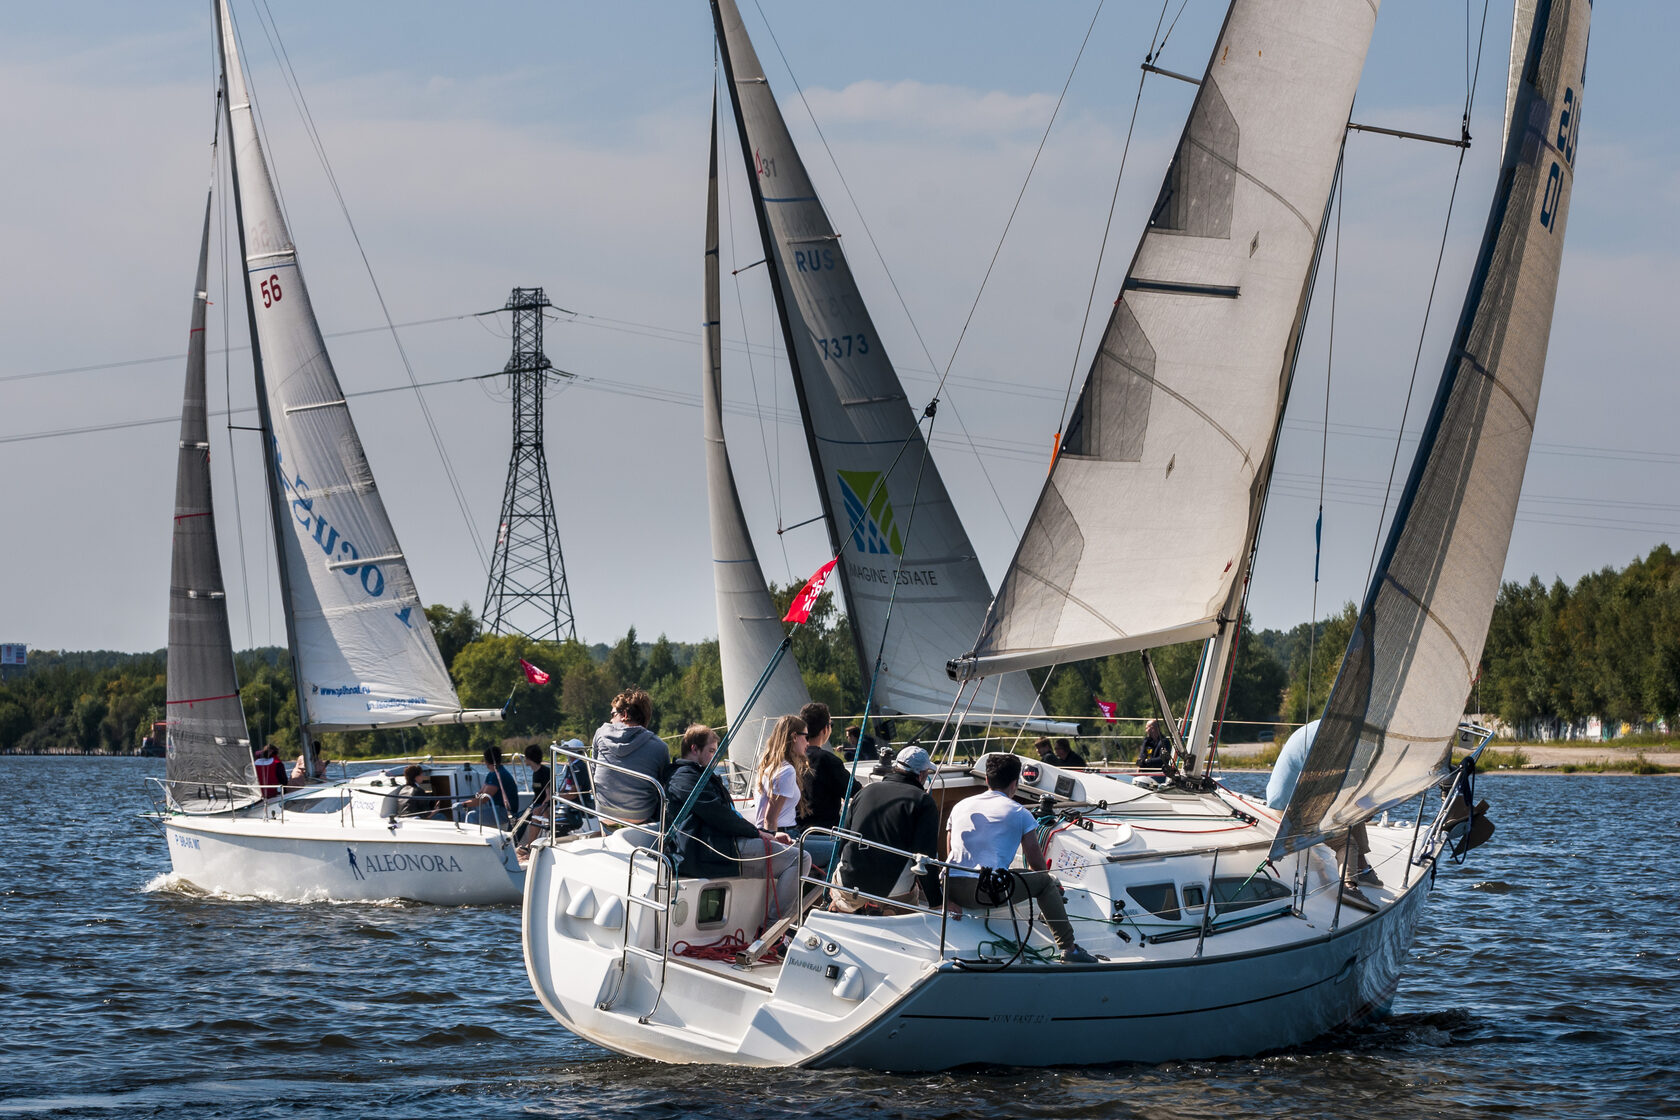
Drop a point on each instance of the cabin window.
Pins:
(1194, 897)
(713, 908)
(1160, 899)
(1240, 893)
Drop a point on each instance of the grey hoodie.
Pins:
(634, 748)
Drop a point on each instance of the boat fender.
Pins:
(610, 915)
(582, 905)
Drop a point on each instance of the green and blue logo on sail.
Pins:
(874, 529)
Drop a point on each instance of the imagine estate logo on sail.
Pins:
(875, 530)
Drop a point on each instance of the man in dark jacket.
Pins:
(715, 836)
(895, 811)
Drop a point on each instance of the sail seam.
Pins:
(1217, 158)
(1181, 399)
(1388, 577)
(1493, 380)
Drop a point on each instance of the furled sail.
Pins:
(364, 651)
(209, 757)
(1142, 533)
(1391, 716)
(889, 516)
(749, 626)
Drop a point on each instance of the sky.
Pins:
(485, 147)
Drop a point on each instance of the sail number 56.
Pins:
(271, 291)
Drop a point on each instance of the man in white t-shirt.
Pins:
(985, 832)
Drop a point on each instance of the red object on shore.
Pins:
(800, 609)
(532, 673)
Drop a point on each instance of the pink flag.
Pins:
(532, 673)
(800, 609)
(1109, 708)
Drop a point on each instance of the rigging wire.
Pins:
(272, 31)
(1324, 443)
(1429, 304)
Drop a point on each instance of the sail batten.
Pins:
(1416, 648)
(362, 646)
(911, 597)
(208, 756)
(749, 628)
(1143, 531)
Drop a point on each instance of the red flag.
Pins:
(532, 673)
(800, 609)
(1109, 708)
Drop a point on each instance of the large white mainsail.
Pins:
(1416, 650)
(1143, 531)
(364, 652)
(209, 757)
(889, 517)
(749, 626)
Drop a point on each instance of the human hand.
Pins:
(783, 838)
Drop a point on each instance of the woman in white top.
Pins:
(780, 776)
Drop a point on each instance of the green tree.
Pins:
(453, 630)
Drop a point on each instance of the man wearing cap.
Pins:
(986, 831)
(897, 812)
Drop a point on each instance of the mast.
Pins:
(271, 466)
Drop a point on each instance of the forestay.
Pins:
(749, 627)
(1398, 698)
(1142, 533)
(889, 516)
(364, 651)
(209, 757)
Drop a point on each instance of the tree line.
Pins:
(1608, 647)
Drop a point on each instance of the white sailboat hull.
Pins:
(878, 992)
(298, 859)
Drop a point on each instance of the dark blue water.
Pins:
(1545, 983)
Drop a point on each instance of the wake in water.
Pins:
(172, 883)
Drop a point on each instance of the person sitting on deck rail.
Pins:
(626, 741)
(715, 836)
(897, 812)
(499, 793)
(985, 832)
(542, 794)
(1286, 771)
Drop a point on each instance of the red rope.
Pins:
(723, 949)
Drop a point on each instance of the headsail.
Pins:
(209, 757)
(1415, 652)
(749, 626)
(866, 448)
(1142, 533)
(364, 651)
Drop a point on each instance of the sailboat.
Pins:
(362, 651)
(1222, 925)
